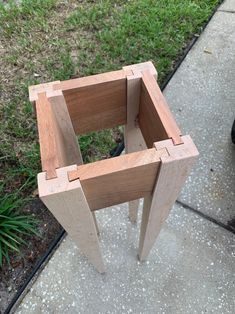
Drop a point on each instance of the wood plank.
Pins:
(46, 130)
(68, 204)
(133, 210)
(119, 179)
(133, 137)
(96, 102)
(90, 81)
(134, 140)
(155, 119)
(173, 172)
(58, 143)
(67, 143)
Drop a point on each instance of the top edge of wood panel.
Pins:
(87, 81)
(162, 108)
(117, 164)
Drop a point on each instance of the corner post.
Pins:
(133, 138)
(68, 204)
(172, 175)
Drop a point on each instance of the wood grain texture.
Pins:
(67, 143)
(119, 179)
(58, 143)
(68, 204)
(133, 138)
(155, 119)
(46, 129)
(96, 102)
(173, 172)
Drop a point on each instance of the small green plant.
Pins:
(13, 226)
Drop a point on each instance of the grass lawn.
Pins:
(46, 40)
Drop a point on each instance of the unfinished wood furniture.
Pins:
(155, 167)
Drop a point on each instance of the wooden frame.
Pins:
(157, 161)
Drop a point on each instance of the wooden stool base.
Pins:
(156, 164)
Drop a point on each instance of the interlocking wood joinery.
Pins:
(157, 162)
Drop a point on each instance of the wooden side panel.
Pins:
(120, 179)
(68, 204)
(173, 172)
(155, 119)
(96, 102)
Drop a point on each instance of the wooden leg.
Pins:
(96, 224)
(133, 210)
(133, 138)
(69, 141)
(173, 172)
(68, 204)
(65, 135)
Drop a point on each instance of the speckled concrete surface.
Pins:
(190, 270)
(202, 97)
(228, 5)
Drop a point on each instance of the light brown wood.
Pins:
(67, 142)
(134, 140)
(119, 179)
(96, 102)
(173, 172)
(65, 136)
(46, 129)
(155, 119)
(138, 68)
(132, 135)
(73, 191)
(34, 90)
(68, 204)
(133, 210)
(58, 144)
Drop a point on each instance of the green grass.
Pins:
(14, 226)
(46, 40)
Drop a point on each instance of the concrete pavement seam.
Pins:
(209, 218)
(226, 11)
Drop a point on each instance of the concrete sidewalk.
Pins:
(191, 268)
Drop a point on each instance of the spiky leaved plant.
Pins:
(13, 226)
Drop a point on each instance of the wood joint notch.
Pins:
(34, 90)
(186, 150)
